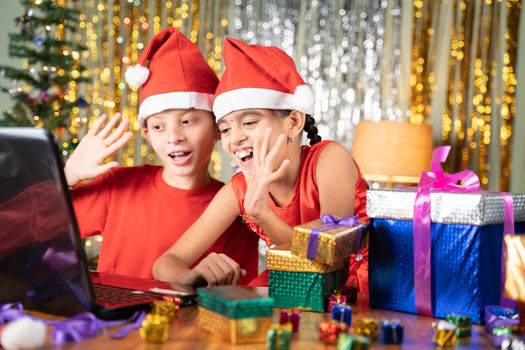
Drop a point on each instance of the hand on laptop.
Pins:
(215, 270)
(87, 161)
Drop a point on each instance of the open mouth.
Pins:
(244, 155)
(179, 155)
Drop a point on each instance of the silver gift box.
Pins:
(477, 208)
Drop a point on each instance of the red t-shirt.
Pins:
(304, 205)
(140, 216)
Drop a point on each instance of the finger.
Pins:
(117, 132)
(243, 272)
(204, 272)
(98, 123)
(265, 145)
(234, 266)
(218, 273)
(279, 173)
(109, 126)
(227, 269)
(279, 143)
(119, 143)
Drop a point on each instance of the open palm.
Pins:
(261, 175)
(99, 143)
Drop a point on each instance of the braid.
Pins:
(311, 130)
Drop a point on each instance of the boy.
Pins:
(141, 211)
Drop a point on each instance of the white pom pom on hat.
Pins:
(23, 333)
(136, 75)
(303, 98)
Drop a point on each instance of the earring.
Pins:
(290, 139)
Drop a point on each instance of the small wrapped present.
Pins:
(438, 249)
(444, 333)
(292, 317)
(329, 239)
(303, 290)
(463, 323)
(280, 258)
(279, 337)
(329, 331)
(342, 313)
(155, 328)
(515, 266)
(366, 326)
(234, 330)
(338, 297)
(168, 307)
(352, 342)
(236, 301)
(391, 332)
(236, 314)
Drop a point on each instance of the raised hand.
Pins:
(262, 174)
(100, 142)
(215, 270)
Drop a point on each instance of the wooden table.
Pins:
(185, 335)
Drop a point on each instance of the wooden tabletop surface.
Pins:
(184, 334)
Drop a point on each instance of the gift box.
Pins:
(236, 314)
(459, 265)
(329, 239)
(236, 301)
(280, 258)
(235, 331)
(303, 290)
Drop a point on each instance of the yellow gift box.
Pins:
(515, 267)
(329, 239)
(235, 331)
(281, 259)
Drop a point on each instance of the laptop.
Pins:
(42, 261)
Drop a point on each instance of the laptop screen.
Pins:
(42, 262)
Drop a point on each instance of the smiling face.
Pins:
(241, 129)
(183, 139)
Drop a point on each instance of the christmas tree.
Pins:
(44, 90)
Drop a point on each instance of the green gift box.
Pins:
(236, 301)
(304, 290)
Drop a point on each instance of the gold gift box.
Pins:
(515, 267)
(235, 331)
(334, 245)
(281, 259)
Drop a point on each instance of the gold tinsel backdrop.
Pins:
(461, 55)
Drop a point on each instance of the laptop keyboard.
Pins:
(109, 296)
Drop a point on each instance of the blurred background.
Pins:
(425, 73)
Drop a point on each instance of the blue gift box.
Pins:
(466, 243)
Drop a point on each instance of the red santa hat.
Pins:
(260, 77)
(172, 73)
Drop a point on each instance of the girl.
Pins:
(262, 105)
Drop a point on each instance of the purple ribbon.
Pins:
(77, 328)
(10, 312)
(463, 182)
(499, 317)
(330, 222)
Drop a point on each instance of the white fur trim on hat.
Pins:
(233, 100)
(180, 100)
(136, 75)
